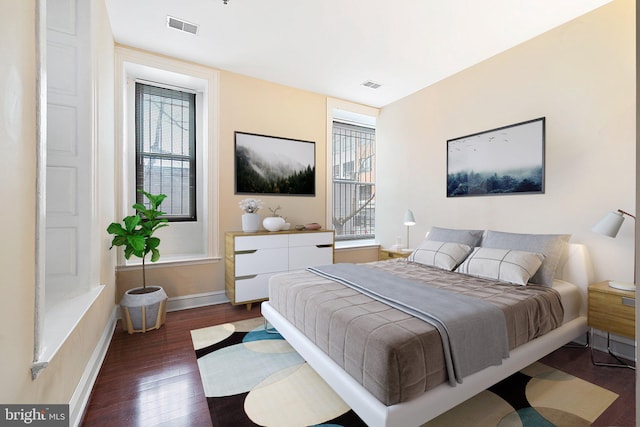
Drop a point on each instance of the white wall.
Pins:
(581, 77)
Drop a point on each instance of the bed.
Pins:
(571, 275)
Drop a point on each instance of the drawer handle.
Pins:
(328, 245)
(250, 276)
(631, 302)
(249, 251)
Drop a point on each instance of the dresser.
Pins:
(252, 258)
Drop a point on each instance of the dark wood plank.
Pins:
(152, 379)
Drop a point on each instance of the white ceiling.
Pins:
(332, 46)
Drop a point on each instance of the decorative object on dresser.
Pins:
(409, 221)
(252, 258)
(609, 226)
(250, 218)
(272, 165)
(143, 308)
(611, 310)
(274, 222)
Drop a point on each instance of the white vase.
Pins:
(273, 223)
(250, 222)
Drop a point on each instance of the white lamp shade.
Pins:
(609, 225)
(409, 219)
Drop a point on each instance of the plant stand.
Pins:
(142, 310)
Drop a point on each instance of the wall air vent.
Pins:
(371, 84)
(181, 25)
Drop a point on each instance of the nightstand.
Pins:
(613, 311)
(385, 254)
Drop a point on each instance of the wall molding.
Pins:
(196, 300)
(82, 393)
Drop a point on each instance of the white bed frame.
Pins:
(577, 270)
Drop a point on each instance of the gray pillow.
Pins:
(554, 247)
(466, 237)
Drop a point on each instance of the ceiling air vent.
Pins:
(371, 84)
(181, 25)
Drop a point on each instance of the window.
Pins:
(353, 155)
(165, 148)
(194, 196)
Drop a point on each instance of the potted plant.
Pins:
(143, 308)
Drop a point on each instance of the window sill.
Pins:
(355, 244)
(169, 261)
(62, 315)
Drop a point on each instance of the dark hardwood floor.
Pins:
(152, 379)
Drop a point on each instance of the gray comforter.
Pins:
(392, 354)
(473, 331)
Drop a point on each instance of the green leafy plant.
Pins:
(135, 232)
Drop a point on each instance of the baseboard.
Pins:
(82, 393)
(196, 300)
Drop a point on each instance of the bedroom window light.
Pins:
(353, 186)
(165, 148)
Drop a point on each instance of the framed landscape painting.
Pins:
(272, 165)
(506, 160)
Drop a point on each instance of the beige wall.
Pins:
(254, 106)
(17, 171)
(581, 77)
(57, 383)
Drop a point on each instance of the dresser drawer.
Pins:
(245, 243)
(252, 288)
(310, 239)
(309, 256)
(612, 313)
(261, 261)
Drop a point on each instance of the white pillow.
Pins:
(505, 265)
(444, 255)
(553, 247)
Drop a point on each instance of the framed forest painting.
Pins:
(273, 165)
(506, 160)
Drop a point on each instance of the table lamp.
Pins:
(409, 221)
(609, 226)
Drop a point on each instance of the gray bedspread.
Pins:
(473, 331)
(392, 354)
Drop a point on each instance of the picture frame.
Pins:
(274, 165)
(502, 161)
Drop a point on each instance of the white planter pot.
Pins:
(273, 223)
(250, 222)
(142, 312)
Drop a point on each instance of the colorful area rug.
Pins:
(252, 377)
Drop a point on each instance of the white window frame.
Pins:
(191, 211)
(358, 113)
(182, 242)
